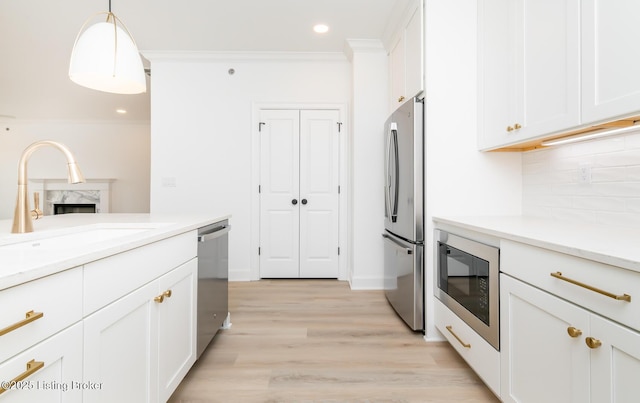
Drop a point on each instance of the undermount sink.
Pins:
(75, 239)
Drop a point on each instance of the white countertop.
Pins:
(610, 245)
(26, 257)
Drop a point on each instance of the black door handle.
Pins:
(294, 201)
(304, 201)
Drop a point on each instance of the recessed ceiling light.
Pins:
(321, 28)
(121, 111)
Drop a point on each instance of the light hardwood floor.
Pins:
(317, 341)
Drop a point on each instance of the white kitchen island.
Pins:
(98, 307)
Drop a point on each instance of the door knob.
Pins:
(304, 201)
(294, 201)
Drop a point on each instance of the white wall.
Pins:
(370, 110)
(553, 187)
(102, 149)
(202, 125)
(459, 179)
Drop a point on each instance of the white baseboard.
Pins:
(367, 283)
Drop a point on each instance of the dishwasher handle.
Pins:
(218, 232)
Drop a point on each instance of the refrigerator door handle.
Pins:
(396, 179)
(387, 175)
(408, 250)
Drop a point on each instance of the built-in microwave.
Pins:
(467, 282)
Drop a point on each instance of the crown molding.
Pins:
(207, 56)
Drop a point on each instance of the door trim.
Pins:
(344, 161)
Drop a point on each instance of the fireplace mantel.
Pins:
(59, 191)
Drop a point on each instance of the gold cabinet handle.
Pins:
(517, 126)
(465, 345)
(573, 332)
(623, 297)
(509, 129)
(30, 317)
(592, 343)
(401, 98)
(32, 366)
(160, 298)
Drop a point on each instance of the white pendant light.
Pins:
(106, 58)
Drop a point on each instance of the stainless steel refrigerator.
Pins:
(404, 212)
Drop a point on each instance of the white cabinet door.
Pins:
(615, 365)
(541, 361)
(547, 74)
(33, 301)
(610, 79)
(413, 57)
(529, 69)
(479, 354)
(397, 73)
(120, 349)
(406, 60)
(176, 326)
(319, 178)
(56, 371)
(495, 101)
(279, 193)
(299, 200)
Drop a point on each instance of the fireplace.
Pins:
(59, 197)
(74, 208)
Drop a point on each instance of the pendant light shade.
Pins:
(106, 58)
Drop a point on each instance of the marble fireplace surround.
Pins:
(59, 191)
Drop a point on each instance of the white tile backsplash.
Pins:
(552, 185)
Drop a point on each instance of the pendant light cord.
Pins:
(109, 5)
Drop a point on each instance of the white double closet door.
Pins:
(299, 193)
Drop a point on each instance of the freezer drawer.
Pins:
(404, 279)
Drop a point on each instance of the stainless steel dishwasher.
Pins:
(213, 278)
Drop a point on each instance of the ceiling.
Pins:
(36, 38)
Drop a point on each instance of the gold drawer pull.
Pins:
(32, 366)
(623, 297)
(465, 345)
(160, 298)
(573, 332)
(592, 343)
(30, 317)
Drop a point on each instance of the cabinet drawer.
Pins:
(58, 298)
(110, 278)
(535, 266)
(480, 355)
(56, 373)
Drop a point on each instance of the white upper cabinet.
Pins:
(397, 70)
(406, 57)
(529, 69)
(610, 65)
(413, 57)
